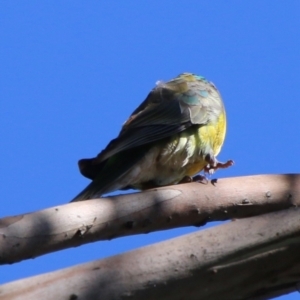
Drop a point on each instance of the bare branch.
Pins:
(253, 258)
(30, 235)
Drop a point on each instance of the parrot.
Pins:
(174, 134)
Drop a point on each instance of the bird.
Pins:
(174, 134)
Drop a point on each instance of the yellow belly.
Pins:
(182, 155)
(210, 140)
(185, 154)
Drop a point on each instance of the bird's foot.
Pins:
(200, 178)
(197, 178)
(186, 179)
(212, 167)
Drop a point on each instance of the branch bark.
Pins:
(34, 234)
(254, 258)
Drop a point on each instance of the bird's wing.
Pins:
(145, 126)
(150, 125)
(170, 108)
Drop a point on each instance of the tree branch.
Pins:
(254, 258)
(30, 235)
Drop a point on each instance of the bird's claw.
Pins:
(197, 178)
(200, 178)
(186, 179)
(211, 168)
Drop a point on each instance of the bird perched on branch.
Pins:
(174, 134)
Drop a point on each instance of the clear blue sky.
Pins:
(72, 72)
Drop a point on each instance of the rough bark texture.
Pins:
(253, 258)
(30, 235)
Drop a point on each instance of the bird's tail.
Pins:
(91, 191)
(108, 174)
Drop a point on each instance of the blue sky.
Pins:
(72, 72)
